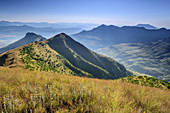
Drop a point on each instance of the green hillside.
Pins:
(147, 81)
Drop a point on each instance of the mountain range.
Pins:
(103, 35)
(64, 55)
(12, 31)
(85, 26)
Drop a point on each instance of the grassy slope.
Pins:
(24, 90)
(39, 56)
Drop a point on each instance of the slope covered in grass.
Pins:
(147, 81)
(35, 91)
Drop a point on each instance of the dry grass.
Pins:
(35, 91)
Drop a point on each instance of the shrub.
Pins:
(140, 77)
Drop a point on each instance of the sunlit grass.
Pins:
(35, 91)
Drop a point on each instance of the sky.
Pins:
(115, 12)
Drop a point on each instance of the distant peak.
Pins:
(143, 24)
(109, 26)
(30, 33)
(113, 26)
(61, 35)
(103, 25)
(146, 26)
(26, 26)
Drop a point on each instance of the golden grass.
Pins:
(35, 91)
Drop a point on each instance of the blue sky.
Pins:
(117, 12)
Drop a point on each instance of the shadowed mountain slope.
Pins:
(84, 58)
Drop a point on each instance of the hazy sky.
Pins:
(117, 12)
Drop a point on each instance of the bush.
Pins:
(151, 84)
(145, 76)
(140, 77)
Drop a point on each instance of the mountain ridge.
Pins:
(61, 52)
(46, 24)
(103, 35)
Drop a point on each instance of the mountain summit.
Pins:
(29, 37)
(146, 26)
(64, 55)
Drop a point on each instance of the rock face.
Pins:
(29, 37)
(63, 54)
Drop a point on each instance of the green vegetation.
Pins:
(147, 81)
(40, 58)
(35, 91)
(37, 61)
